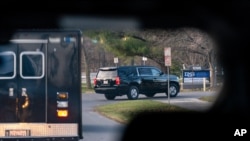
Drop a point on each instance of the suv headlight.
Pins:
(178, 79)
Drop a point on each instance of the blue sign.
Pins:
(196, 73)
(196, 76)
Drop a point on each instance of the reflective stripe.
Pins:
(42, 129)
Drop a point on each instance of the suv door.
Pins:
(159, 80)
(152, 80)
(147, 80)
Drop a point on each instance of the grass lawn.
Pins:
(124, 111)
(208, 98)
(85, 89)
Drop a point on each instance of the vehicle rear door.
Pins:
(22, 81)
(106, 77)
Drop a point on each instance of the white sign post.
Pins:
(116, 61)
(167, 55)
(144, 59)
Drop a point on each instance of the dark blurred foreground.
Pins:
(187, 126)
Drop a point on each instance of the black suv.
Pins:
(134, 80)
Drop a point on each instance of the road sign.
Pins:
(167, 55)
(116, 60)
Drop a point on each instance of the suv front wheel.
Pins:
(133, 93)
(173, 88)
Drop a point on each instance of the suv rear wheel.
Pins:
(133, 93)
(109, 96)
(173, 88)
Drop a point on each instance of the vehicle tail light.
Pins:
(62, 113)
(95, 81)
(62, 104)
(62, 95)
(117, 81)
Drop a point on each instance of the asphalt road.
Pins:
(95, 126)
(99, 128)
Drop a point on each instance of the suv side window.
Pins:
(132, 72)
(122, 73)
(127, 72)
(155, 72)
(145, 71)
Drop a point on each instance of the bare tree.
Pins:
(189, 46)
(85, 58)
(198, 49)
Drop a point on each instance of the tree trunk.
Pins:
(86, 66)
(212, 63)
